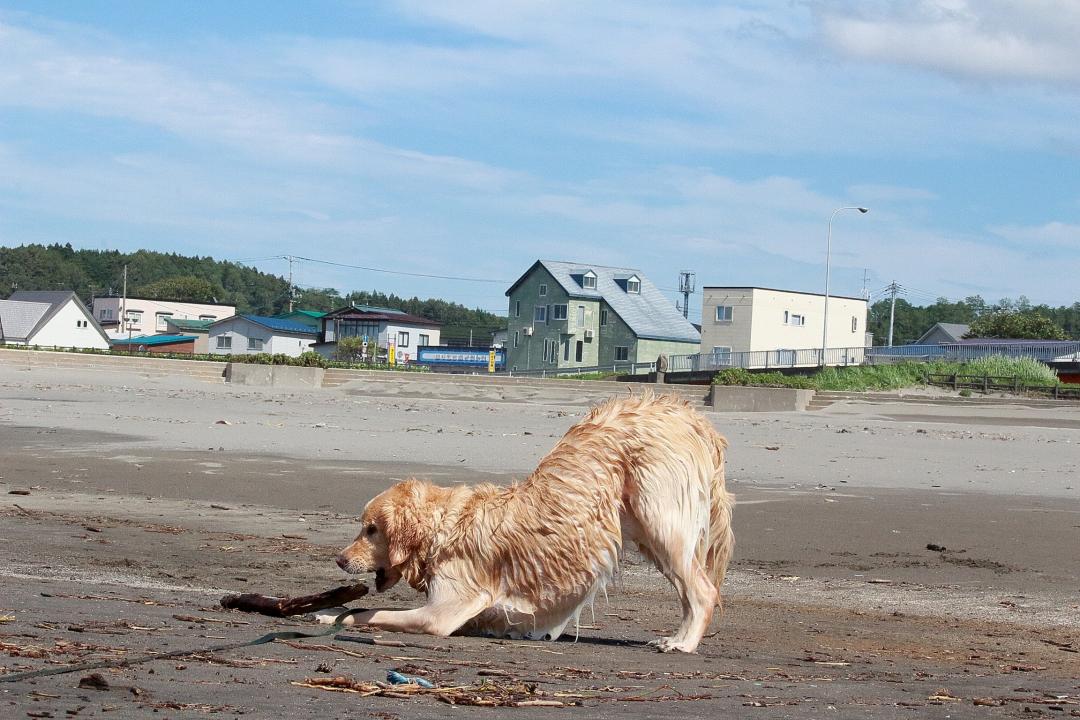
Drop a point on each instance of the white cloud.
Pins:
(889, 193)
(1048, 235)
(44, 72)
(987, 40)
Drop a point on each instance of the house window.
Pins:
(543, 290)
(854, 323)
(551, 351)
(622, 353)
(793, 319)
(581, 315)
(403, 339)
(224, 342)
(579, 352)
(603, 317)
(516, 343)
(723, 313)
(425, 340)
(161, 317)
(517, 308)
(540, 314)
(558, 312)
(588, 281)
(134, 317)
(633, 286)
(356, 328)
(208, 317)
(255, 344)
(566, 350)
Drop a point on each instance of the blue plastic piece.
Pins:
(395, 678)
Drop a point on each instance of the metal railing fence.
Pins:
(812, 357)
(621, 368)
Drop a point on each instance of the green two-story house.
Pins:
(575, 315)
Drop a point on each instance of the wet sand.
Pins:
(143, 509)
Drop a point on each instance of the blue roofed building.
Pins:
(252, 334)
(567, 315)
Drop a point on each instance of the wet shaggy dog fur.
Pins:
(523, 560)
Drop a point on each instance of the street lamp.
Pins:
(828, 267)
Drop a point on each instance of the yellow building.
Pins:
(781, 327)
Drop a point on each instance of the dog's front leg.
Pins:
(439, 619)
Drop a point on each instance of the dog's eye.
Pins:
(371, 529)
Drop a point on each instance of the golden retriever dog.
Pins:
(523, 560)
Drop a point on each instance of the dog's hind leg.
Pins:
(698, 597)
(673, 550)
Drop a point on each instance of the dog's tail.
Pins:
(721, 502)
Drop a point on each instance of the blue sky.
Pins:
(471, 138)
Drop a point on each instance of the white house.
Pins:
(779, 323)
(250, 334)
(147, 316)
(385, 326)
(49, 319)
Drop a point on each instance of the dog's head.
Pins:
(391, 542)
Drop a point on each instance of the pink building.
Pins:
(146, 316)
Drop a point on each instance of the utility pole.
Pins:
(123, 313)
(892, 288)
(686, 286)
(292, 290)
(866, 284)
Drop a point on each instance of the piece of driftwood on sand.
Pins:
(286, 606)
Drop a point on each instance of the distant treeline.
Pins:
(168, 276)
(912, 320)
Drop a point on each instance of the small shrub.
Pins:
(965, 393)
(895, 376)
(733, 376)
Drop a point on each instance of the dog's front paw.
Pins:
(670, 644)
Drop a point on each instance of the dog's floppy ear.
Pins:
(404, 524)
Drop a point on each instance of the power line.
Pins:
(402, 272)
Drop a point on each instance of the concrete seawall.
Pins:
(735, 398)
(287, 376)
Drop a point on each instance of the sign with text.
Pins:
(462, 357)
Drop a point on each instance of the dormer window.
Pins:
(588, 280)
(633, 285)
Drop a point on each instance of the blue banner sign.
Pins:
(460, 357)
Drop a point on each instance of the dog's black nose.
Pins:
(342, 561)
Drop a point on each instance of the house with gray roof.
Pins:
(49, 319)
(943, 333)
(567, 315)
(254, 334)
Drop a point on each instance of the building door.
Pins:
(579, 351)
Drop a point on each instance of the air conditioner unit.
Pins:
(528, 331)
(588, 334)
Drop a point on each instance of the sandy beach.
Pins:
(139, 502)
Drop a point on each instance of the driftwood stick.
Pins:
(286, 606)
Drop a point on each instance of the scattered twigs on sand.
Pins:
(490, 693)
(286, 606)
(485, 694)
